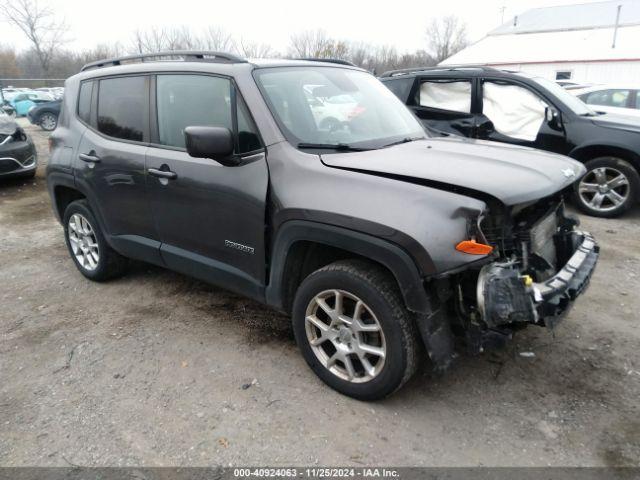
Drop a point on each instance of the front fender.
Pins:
(587, 151)
(394, 258)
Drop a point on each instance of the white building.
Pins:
(592, 42)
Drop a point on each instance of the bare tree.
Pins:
(9, 62)
(44, 32)
(157, 39)
(307, 44)
(361, 54)
(445, 37)
(250, 49)
(218, 39)
(317, 44)
(99, 52)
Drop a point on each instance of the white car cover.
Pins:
(514, 111)
(455, 96)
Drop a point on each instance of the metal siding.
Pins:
(572, 17)
(592, 72)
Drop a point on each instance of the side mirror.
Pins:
(552, 116)
(215, 143)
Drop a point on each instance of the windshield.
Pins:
(576, 105)
(336, 106)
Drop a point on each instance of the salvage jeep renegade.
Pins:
(379, 240)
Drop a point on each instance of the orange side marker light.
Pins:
(474, 248)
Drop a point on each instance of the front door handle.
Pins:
(168, 174)
(89, 157)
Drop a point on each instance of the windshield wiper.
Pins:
(404, 140)
(342, 147)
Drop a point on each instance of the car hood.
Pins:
(8, 125)
(512, 174)
(618, 121)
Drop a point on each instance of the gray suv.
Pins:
(379, 240)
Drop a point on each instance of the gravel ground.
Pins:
(156, 369)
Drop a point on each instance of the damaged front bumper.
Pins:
(17, 157)
(507, 297)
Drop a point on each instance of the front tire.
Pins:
(87, 246)
(354, 331)
(608, 189)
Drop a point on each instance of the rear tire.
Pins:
(608, 189)
(367, 351)
(87, 246)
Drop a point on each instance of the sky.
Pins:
(400, 23)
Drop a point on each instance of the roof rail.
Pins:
(446, 68)
(328, 60)
(186, 55)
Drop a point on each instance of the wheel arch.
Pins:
(301, 247)
(63, 189)
(588, 152)
(63, 196)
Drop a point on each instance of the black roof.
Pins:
(442, 68)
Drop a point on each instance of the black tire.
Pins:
(379, 291)
(110, 264)
(608, 209)
(48, 126)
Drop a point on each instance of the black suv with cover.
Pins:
(516, 108)
(376, 238)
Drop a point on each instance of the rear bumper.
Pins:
(506, 298)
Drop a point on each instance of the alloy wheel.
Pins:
(48, 121)
(604, 189)
(83, 241)
(345, 336)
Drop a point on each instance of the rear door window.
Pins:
(452, 95)
(123, 107)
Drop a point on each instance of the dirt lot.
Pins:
(158, 369)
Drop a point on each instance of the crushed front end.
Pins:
(540, 263)
(17, 151)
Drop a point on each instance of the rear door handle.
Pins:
(168, 174)
(89, 158)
